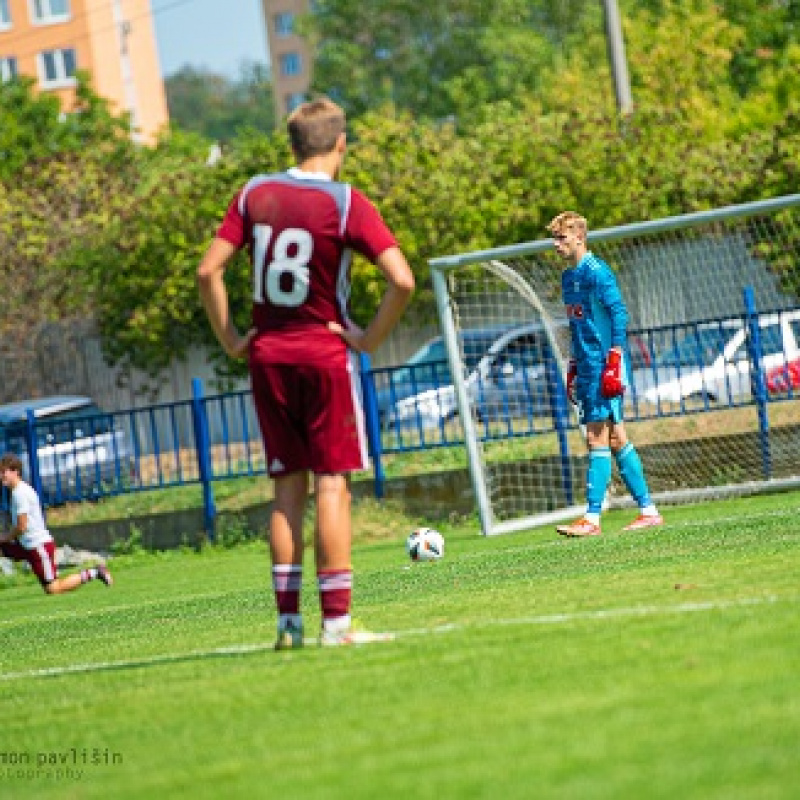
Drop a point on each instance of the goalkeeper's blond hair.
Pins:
(568, 221)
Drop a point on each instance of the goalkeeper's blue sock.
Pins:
(597, 477)
(630, 468)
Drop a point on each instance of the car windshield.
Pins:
(700, 348)
(475, 348)
(434, 352)
(59, 428)
(69, 425)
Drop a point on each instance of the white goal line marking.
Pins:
(545, 619)
(605, 613)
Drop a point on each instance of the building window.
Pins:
(57, 68)
(44, 12)
(284, 23)
(5, 16)
(8, 69)
(293, 100)
(291, 64)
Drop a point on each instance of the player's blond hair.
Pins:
(568, 221)
(315, 127)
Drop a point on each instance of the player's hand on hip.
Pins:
(572, 375)
(611, 380)
(352, 334)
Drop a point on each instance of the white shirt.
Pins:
(24, 500)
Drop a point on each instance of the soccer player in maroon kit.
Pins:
(300, 228)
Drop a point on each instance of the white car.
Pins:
(711, 364)
(510, 380)
(78, 446)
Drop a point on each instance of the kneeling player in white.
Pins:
(29, 540)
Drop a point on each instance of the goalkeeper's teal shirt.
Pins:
(598, 318)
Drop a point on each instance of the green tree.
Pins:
(775, 95)
(118, 231)
(770, 27)
(142, 270)
(62, 179)
(48, 206)
(33, 125)
(439, 58)
(216, 107)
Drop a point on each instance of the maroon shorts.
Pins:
(311, 417)
(42, 559)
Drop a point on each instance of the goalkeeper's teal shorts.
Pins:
(593, 407)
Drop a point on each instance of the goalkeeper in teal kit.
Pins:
(597, 377)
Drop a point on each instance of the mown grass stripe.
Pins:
(545, 619)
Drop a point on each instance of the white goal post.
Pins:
(714, 346)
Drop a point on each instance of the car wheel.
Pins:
(705, 398)
(454, 415)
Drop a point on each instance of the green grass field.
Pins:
(656, 665)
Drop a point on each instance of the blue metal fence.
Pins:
(215, 437)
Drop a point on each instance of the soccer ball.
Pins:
(425, 544)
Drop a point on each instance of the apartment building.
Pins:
(112, 40)
(290, 57)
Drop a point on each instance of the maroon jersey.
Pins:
(300, 230)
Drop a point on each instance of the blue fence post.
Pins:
(203, 456)
(561, 421)
(758, 380)
(373, 423)
(33, 452)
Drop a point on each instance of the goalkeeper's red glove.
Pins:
(611, 381)
(572, 374)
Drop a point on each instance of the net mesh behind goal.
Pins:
(712, 340)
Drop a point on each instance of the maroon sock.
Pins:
(287, 580)
(335, 591)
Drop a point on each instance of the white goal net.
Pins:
(714, 346)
